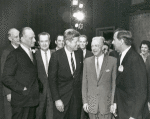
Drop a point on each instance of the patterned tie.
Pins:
(97, 67)
(46, 65)
(72, 63)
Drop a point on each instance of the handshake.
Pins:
(113, 108)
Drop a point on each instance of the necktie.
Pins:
(97, 68)
(72, 63)
(31, 56)
(46, 65)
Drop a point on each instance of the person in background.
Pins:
(43, 55)
(105, 48)
(13, 36)
(65, 78)
(59, 43)
(145, 48)
(98, 84)
(131, 82)
(21, 77)
(82, 44)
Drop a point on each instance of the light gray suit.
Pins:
(99, 93)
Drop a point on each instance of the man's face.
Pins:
(116, 42)
(14, 38)
(96, 47)
(60, 42)
(29, 38)
(82, 42)
(73, 44)
(44, 42)
(105, 49)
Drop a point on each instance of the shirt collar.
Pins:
(14, 46)
(125, 51)
(67, 51)
(25, 48)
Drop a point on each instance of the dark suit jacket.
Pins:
(62, 83)
(88, 54)
(131, 87)
(19, 72)
(45, 96)
(5, 53)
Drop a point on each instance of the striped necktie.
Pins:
(72, 63)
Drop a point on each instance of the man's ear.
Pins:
(9, 38)
(55, 42)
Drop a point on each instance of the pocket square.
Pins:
(107, 70)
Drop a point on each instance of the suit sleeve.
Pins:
(8, 76)
(6, 90)
(52, 76)
(114, 73)
(140, 86)
(84, 84)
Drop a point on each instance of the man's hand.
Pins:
(59, 105)
(24, 89)
(86, 107)
(131, 118)
(149, 106)
(8, 97)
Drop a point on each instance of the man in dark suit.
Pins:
(131, 83)
(59, 43)
(44, 110)
(13, 36)
(82, 44)
(65, 71)
(20, 75)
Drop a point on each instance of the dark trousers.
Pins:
(72, 110)
(23, 112)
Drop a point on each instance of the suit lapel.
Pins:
(104, 64)
(124, 59)
(41, 60)
(77, 60)
(65, 60)
(93, 68)
(20, 48)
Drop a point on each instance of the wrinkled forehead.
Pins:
(97, 41)
(82, 39)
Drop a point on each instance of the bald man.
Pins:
(13, 36)
(20, 75)
(98, 84)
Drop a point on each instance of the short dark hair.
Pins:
(44, 33)
(83, 36)
(69, 34)
(145, 42)
(125, 35)
(58, 36)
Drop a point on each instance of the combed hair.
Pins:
(44, 33)
(145, 42)
(10, 31)
(126, 36)
(58, 36)
(83, 36)
(69, 34)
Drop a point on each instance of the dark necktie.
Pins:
(72, 63)
(31, 55)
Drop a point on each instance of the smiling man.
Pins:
(98, 84)
(44, 110)
(64, 75)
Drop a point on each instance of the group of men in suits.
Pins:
(56, 84)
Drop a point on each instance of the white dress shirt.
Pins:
(69, 59)
(84, 52)
(123, 54)
(100, 61)
(14, 46)
(44, 58)
(26, 50)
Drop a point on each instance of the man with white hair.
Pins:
(98, 85)
(13, 36)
